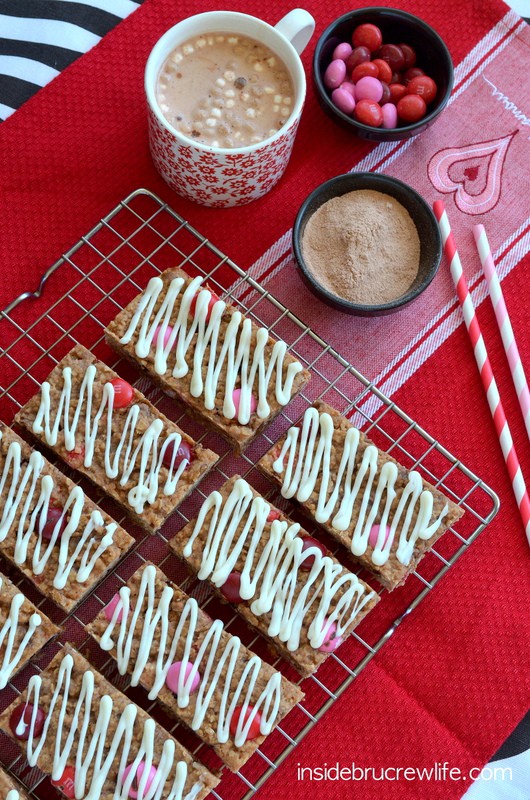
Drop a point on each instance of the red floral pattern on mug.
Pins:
(214, 178)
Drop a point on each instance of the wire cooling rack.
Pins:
(77, 298)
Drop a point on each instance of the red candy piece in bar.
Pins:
(308, 542)
(183, 454)
(20, 722)
(52, 518)
(66, 783)
(123, 393)
(230, 588)
(254, 729)
(213, 300)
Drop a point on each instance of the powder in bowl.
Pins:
(362, 246)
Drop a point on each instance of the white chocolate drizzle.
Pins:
(13, 794)
(124, 461)
(271, 579)
(211, 659)
(231, 353)
(8, 632)
(26, 491)
(306, 456)
(95, 750)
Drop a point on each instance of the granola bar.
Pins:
(228, 372)
(103, 427)
(94, 742)
(50, 529)
(386, 515)
(199, 672)
(24, 630)
(281, 580)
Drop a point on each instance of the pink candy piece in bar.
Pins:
(374, 535)
(236, 397)
(110, 608)
(133, 792)
(331, 642)
(167, 333)
(173, 675)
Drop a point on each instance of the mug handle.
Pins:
(297, 26)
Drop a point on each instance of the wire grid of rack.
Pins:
(139, 238)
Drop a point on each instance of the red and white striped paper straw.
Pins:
(504, 323)
(484, 366)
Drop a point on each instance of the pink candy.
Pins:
(331, 642)
(110, 608)
(167, 333)
(343, 99)
(390, 115)
(342, 51)
(369, 89)
(349, 87)
(335, 74)
(139, 772)
(173, 674)
(236, 397)
(374, 531)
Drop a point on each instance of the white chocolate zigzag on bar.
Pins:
(95, 750)
(145, 459)
(236, 357)
(8, 631)
(308, 453)
(23, 488)
(270, 580)
(209, 663)
(13, 794)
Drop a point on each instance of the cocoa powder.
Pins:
(363, 247)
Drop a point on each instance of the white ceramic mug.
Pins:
(216, 176)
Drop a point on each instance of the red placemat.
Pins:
(454, 680)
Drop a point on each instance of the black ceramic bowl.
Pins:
(396, 26)
(419, 210)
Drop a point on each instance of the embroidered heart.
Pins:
(446, 174)
(471, 173)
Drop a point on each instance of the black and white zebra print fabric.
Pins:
(39, 38)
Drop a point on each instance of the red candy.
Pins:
(424, 86)
(66, 783)
(213, 300)
(369, 113)
(367, 35)
(26, 711)
(413, 72)
(53, 517)
(254, 729)
(123, 393)
(358, 56)
(385, 97)
(411, 108)
(392, 67)
(397, 91)
(366, 70)
(230, 588)
(410, 55)
(273, 514)
(183, 454)
(393, 55)
(384, 71)
(308, 542)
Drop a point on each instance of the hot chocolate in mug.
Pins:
(217, 176)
